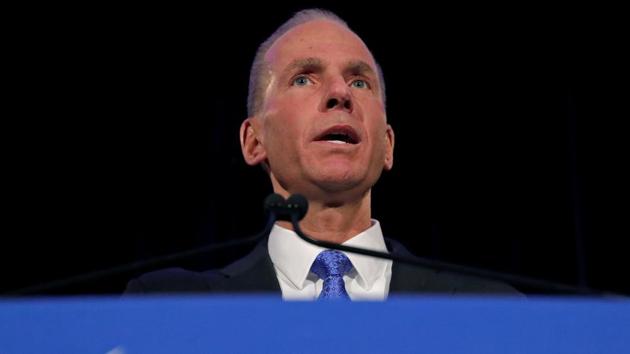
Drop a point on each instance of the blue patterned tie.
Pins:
(330, 266)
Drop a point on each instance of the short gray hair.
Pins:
(258, 75)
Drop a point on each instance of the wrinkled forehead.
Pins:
(324, 39)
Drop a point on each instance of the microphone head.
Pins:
(282, 209)
(273, 202)
(299, 204)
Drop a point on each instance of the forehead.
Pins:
(323, 39)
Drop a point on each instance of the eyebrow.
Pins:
(359, 67)
(316, 65)
(305, 64)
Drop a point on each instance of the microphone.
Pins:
(285, 209)
(297, 205)
(294, 209)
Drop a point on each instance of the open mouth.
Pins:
(339, 135)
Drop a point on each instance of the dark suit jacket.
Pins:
(255, 273)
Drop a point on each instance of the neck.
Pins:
(336, 222)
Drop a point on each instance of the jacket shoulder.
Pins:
(252, 273)
(425, 279)
(175, 280)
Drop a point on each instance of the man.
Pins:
(317, 124)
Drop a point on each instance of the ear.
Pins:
(251, 142)
(389, 148)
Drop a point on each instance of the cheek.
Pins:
(381, 144)
(379, 131)
(282, 136)
(284, 120)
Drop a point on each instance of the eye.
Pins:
(362, 84)
(301, 80)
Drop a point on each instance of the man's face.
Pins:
(322, 128)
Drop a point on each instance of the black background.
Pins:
(121, 133)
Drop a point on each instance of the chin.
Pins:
(337, 178)
(339, 182)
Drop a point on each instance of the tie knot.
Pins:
(331, 263)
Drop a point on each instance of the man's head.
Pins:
(317, 111)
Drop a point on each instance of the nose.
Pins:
(338, 96)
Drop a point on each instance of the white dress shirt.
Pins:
(292, 259)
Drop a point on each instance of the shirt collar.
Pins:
(293, 256)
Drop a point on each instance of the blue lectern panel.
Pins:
(239, 324)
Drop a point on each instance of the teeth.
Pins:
(337, 137)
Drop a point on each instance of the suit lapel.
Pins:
(252, 273)
(406, 278)
(255, 273)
